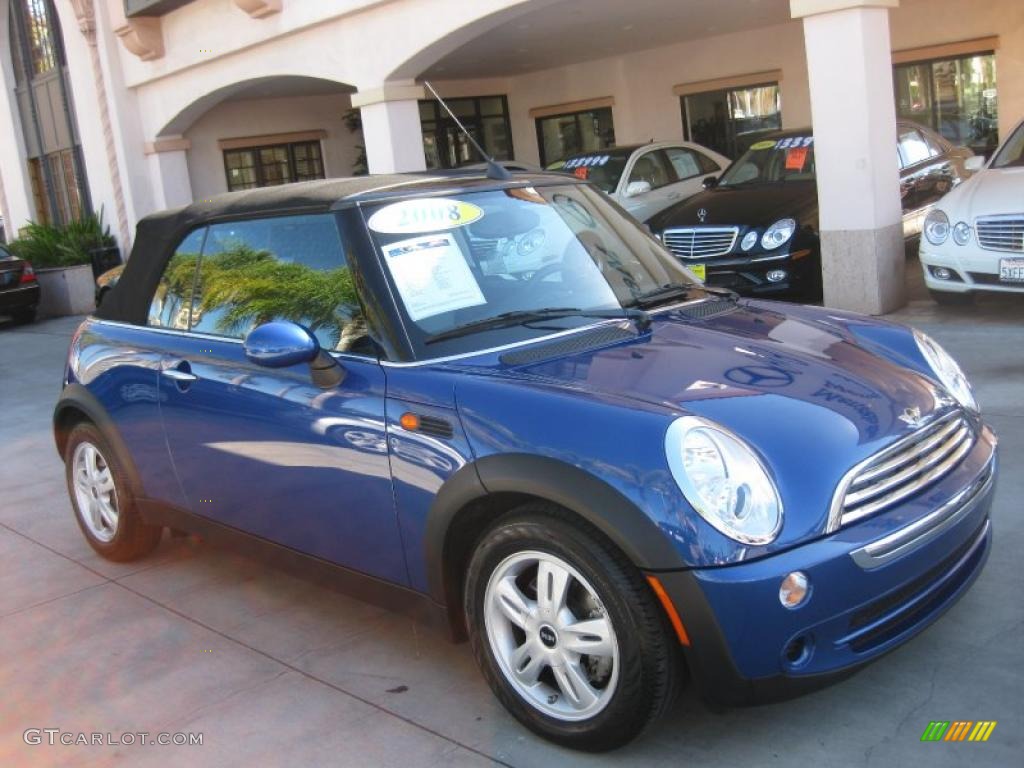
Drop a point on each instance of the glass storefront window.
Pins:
(560, 136)
(955, 97)
(729, 121)
(485, 117)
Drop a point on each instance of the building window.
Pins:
(40, 36)
(58, 169)
(559, 136)
(730, 120)
(485, 117)
(272, 165)
(954, 96)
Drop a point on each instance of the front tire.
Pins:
(102, 499)
(567, 632)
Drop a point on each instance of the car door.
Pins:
(690, 168)
(651, 167)
(265, 450)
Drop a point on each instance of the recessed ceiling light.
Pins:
(627, 27)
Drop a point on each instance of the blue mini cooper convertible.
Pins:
(500, 404)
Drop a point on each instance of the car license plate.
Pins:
(700, 270)
(1011, 270)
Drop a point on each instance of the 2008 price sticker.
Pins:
(427, 214)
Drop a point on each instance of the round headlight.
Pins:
(531, 242)
(962, 233)
(749, 240)
(723, 480)
(946, 370)
(778, 233)
(936, 227)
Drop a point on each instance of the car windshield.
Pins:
(478, 269)
(1012, 153)
(772, 161)
(602, 169)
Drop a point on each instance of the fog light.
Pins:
(941, 273)
(776, 275)
(794, 590)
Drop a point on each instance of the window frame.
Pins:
(257, 166)
(539, 128)
(440, 120)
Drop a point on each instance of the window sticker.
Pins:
(432, 275)
(794, 141)
(763, 145)
(425, 214)
(796, 157)
(589, 161)
(581, 172)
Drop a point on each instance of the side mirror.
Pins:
(709, 182)
(635, 188)
(280, 344)
(974, 163)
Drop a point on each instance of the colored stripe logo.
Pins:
(958, 730)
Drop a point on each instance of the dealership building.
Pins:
(131, 106)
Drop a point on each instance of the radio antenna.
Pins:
(494, 169)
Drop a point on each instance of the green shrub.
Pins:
(47, 245)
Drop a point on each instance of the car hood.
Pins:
(988, 192)
(753, 205)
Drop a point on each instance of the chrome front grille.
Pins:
(902, 470)
(1001, 233)
(700, 242)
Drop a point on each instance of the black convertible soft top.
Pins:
(157, 235)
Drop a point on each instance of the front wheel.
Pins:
(567, 632)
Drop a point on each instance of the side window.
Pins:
(279, 268)
(650, 167)
(684, 162)
(913, 147)
(170, 305)
(707, 165)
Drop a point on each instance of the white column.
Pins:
(167, 159)
(849, 65)
(391, 127)
(16, 205)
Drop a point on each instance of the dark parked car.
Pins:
(755, 230)
(501, 404)
(19, 289)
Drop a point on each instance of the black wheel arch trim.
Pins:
(575, 489)
(76, 397)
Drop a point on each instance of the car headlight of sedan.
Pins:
(723, 480)
(778, 233)
(962, 233)
(946, 370)
(936, 227)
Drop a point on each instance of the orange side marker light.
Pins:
(673, 616)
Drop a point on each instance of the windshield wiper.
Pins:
(655, 296)
(524, 316)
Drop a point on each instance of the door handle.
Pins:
(179, 375)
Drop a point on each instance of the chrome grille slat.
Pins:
(903, 469)
(1001, 233)
(908, 454)
(700, 242)
(920, 466)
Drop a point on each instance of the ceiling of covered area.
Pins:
(571, 31)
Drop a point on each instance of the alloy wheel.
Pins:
(95, 492)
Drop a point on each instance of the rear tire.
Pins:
(950, 299)
(102, 498)
(590, 665)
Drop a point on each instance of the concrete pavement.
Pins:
(275, 671)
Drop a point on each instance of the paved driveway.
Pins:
(274, 671)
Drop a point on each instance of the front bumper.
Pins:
(748, 276)
(19, 298)
(975, 269)
(874, 585)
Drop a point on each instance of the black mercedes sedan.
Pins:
(755, 230)
(19, 289)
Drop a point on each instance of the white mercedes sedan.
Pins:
(974, 236)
